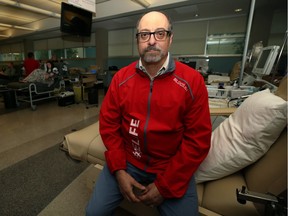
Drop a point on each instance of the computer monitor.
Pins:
(265, 61)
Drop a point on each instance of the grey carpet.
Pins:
(30, 185)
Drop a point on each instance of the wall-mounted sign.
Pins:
(89, 5)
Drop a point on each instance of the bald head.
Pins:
(154, 19)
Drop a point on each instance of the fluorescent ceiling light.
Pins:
(30, 8)
(144, 3)
(17, 27)
(17, 17)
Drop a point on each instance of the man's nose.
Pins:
(152, 39)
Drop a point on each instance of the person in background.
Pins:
(54, 58)
(155, 124)
(43, 76)
(7, 73)
(42, 64)
(30, 64)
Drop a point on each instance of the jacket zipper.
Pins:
(146, 123)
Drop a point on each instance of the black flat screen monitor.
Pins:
(75, 20)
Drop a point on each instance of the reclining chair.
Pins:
(264, 179)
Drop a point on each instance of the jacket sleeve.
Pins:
(110, 128)
(174, 181)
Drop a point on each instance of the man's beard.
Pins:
(152, 57)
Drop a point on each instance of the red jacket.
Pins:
(161, 126)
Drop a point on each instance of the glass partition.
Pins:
(225, 44)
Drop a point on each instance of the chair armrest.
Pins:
(78, 143)
(222, 111)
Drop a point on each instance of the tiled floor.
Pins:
(21, 131)
(24, 133)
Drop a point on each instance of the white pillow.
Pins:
(245, 136)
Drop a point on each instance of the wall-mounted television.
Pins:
(75, 20)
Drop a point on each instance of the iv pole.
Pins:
(250, 18)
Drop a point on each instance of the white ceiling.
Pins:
(42, 17)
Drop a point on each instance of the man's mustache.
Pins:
(152, 48)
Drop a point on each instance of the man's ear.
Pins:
(170, 39)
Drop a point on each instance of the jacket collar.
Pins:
(168, 66)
